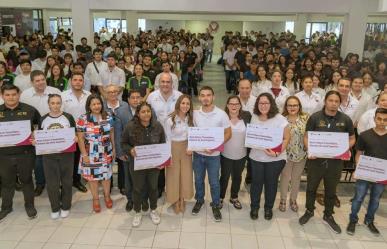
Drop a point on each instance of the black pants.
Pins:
(121, 174)
(233, 168)
(142, 179)
(265, 174)
(76, 175)
(330, 171)
(248, 167)
(161, 181)
(58, 169)
(11, 166)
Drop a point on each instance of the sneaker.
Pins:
(330, 221)
(351, 228)
(155, 217)
(55, 215)
(137, 220)
(217, 214)
(78, 185)
(372, 228)
(64, 213)
(145, 206)
(306, 217)
(31, 212)
(197, 207)
(4, 213)
(129, 206)
(254, 214)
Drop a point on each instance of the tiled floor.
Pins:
(112, 228)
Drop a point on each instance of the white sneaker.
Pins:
(64, 213)
(155, 217)
(55, 215)
(137, 220)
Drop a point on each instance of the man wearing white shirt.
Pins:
(245, 95)
(112, 75)
(365, 101)
(230, 67)
(367, 121)
(209, 161)
(74, 103)
(164, 99)
(23, 80)
(163, 103)
(166, 67)
(349, 105)
(165, 46)
(37, 96)
(93, 70)
(40, 62)
(248, 102)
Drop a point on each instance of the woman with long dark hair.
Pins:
(143, 129)
(96, 142)
(57, 78)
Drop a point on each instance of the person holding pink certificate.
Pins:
(329, 168)
(267, 163)
(372, 145)
(17, 157)
(58, 167)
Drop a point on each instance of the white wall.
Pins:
(166, 24)
(201, 26)
(265, 27)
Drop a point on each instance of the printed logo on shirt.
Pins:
(340, 124)
(2, 115)
(21, 114)
(322, 123)
(55, 126)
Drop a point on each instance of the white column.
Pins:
(131, 21)
(82, 21)
(300, 26)
(354, 28)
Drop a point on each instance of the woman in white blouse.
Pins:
(179, 183)
(311, 101)
(233, 158)
(277, 90)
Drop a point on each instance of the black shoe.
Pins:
(254, 213)
(31, 212)
(268, 214)
(129, 206)
(372, 228)
(80, 187)
(122, 191)
(351, 228)
(4, 213)
(330, 221)
(197, 207)
(306, 217)
(217, 214)
(145, 206)
(39, 190)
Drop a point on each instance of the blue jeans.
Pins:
(200, 164)
(361, 191)
(264, 174)
(40, 180)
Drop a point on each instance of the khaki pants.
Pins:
(179, 175)
(291, 174)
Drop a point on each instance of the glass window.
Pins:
(113, 24)
(289, 26)
(142, 24)
(99, 23)
(53, 25)
(123, 26)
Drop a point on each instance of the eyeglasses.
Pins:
(263, 104)
(293, 106)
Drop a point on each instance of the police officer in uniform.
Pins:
(17, 160)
